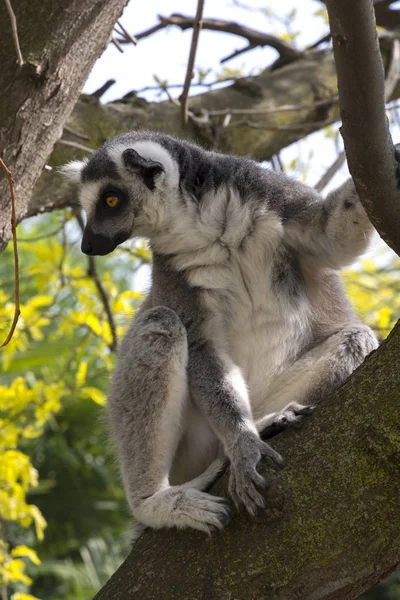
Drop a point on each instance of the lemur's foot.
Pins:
(293, 415)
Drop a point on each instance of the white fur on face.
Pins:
(89, 195)
(72, 170)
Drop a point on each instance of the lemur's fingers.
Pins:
(269, 452)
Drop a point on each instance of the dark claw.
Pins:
(307, 410)
(225, 520)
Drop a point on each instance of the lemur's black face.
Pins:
(120, 192)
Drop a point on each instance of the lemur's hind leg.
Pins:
(314, 376)
(146, 404)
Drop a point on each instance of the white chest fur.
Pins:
(260, 330)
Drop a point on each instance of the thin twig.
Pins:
(271, 111)
(17, 310)
(333, 169)
(135, 254)
(126, 33)
(393, 71)
(294, 127)
(14, 32)
(43, 236)
(77, 134)
(236, 53)
(192, 55)
(93, 274)
(103, 89)
(74, 145)
(117, 45)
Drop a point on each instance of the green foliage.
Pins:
(54, 377)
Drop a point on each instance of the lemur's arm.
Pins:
(218, 388)
(334, 231)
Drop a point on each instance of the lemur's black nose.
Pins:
(86, 245)
(96, 244)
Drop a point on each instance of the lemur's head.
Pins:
(123, 189)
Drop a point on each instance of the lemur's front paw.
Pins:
(245, 483)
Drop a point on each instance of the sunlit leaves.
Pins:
(60, 350)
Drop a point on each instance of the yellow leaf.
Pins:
(23, 596)
(94, 393)
(81, 374)
(25, 552)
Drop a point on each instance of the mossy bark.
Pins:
(332, 527)
(59, 42)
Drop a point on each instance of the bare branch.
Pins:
(272, 111)
(17, 310)
(237, 53)
(93, 274)
(14, 32)
(75, 133)
(393, 71)
(117, 44)
(255, 38)
(197, 24)
(365, 128)
(103, 89)
(125, 33)
(313, 125)
(333, 169)
(74, 145)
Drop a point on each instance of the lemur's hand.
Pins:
(245, 483)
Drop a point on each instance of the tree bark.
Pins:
(332, 527)
(306, 81)
(365, 128)
(59, 43)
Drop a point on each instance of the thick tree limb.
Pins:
(365, 128)
(59, 43)
(332, 529)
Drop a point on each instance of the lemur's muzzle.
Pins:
(96, 244)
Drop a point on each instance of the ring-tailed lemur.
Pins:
(246, 325)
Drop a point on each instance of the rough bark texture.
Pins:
(365, 128)
(59, 43)
(309, 79)
(332, 529)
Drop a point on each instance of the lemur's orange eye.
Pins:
(112, 201)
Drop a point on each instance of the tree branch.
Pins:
(197, 25)
(255, 38)
(332, 526)
(14, 32)
(365, 128)
(93, 274)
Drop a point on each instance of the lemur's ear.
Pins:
(73, 170)
(149, 170)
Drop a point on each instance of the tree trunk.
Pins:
(332, 527)
(59, 42)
